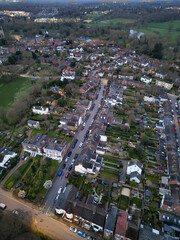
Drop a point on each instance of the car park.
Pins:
(18, 185)
(60, 172)
(73, 229)
(67, 175)
(82, 234)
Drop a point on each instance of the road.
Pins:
(41, 222)
(61, 181)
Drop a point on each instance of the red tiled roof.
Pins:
(121, 224)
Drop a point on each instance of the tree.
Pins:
(47, 184)
(157, 52)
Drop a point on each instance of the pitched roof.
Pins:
(121, 224)
(111, 219)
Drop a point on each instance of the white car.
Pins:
(66, 159)
(73, 229)
(80, 145)
(59, 191)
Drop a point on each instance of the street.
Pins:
(41, 222)
(61, 181)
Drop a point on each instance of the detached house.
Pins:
(40, 110)
(146, 79)
(68, 73)
(134, 169)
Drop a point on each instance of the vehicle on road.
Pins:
(73, 229)
(18, 185)
(73, 161)
(82, 234)
(67, 175)
(91, 238)
(70, 168)
(63, 166)
(76, 156)
(2, 206)
(66, 159)
(60, 189)
(80, 145)
(60, 172)
(69, 154)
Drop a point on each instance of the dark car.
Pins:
(69, 154)
(67, 175)
(18, 185)
(76, 156)
(63, 166)
(70, 168)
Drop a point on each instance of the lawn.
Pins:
(111, 21)
(136, 201)
(169, 29)
(153, 179)
(9, 91)
(35, 131)
(124, 202)
(108, 175)
(17, 175)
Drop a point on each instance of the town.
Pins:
(92, 138)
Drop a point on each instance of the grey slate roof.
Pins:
(111, 219)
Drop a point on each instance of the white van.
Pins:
(2, 206)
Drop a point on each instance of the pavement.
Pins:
(61, 181)
(39, 221)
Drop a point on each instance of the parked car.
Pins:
(2, 206)
(82, 234)
(76, 156)
(80, 145)
(66, 159)
(18, 185)
(91, 238)
(63, 166)
(73, 161)
(67, 175)
(69, 154)
(73, 229)
(70, 168)
(60, 172)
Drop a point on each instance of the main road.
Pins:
(40, 221)
(61, 181)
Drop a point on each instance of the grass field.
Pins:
(9, 91)
(169, 29)
(110, 22)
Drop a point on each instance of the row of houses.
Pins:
(90, 214)
(43, 145)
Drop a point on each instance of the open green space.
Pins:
(35, 131)
(124, 202)
(136, 201)
(111, 21)
(9, 90)
(170, 29)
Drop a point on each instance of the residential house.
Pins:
(55, 150)
(134, 169)
(110, 222)
(6, 156)
(40, 110)
(160, 75)
(164, 84)
(126, 76)
(121, 226)
(149, 99)
(146, 79)
(68, 73)
(44, 145)
(33, 124)
(86, 104)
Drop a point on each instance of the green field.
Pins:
(169, 29)
(111, 21)
(9, 91)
